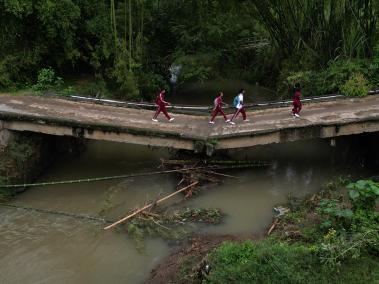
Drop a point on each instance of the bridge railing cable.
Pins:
(206, 109)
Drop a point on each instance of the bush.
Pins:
(151, 84)
(356, 86)
(5, 78)
(303, 78)
(47, 80)
(334, 214)
(336, 77)
(354, 215)
(17, 70)
(338, 247)
(96, 89)
(125, 78)
(364, 194)
(68, 91)
(195, 68)
(352, 224)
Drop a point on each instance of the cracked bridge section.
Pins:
(57, 116)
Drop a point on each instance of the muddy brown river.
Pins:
(44, 248)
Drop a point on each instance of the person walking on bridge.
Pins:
(239, 105)
(161, 106)
(296, 102)
(218, 108)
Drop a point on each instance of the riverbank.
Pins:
(331, 236)
(185, 265)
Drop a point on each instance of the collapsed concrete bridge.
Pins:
(57, 116)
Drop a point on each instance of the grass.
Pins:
(271, 261)
(17, 92)
(82, 85)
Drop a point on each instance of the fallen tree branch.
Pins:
(148, 206)
(273, 226)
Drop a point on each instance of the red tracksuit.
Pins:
(296, 103)
(238, 111)
(218, 109)
(161, 106)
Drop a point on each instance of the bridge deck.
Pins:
(61, 112)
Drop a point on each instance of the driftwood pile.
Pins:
(205, 172)
(192, 173)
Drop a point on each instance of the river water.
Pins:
(43, 248)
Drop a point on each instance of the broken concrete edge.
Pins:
(213, 139)
(305, 133)
(7, 116)
(313, 125)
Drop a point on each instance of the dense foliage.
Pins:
(131, 44)
(331, 238)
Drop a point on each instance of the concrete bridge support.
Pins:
(6, 136)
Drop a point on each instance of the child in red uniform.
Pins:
(161, 106)
(218, 108)
(296, 103)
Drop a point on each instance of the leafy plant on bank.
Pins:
(364, 194)
(352, 225)
(339, 247)
(356, 86)
(335, 214)
(47, 80)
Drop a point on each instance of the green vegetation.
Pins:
(273, 262)
(128, 47)
(170, 226)
(47, 80)
(356, 86)
(333, 237)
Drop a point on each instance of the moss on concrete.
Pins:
(24, 159)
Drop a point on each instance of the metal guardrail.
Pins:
(195, 108)
(136, 104)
